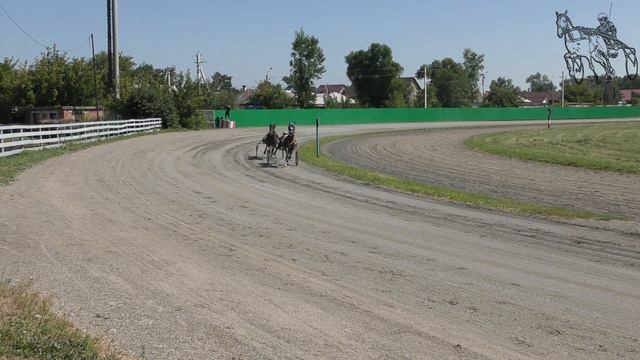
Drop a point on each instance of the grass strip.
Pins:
(12, 166)
(607, 147)
(308, 155)
(29, 329)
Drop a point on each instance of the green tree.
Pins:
(432, 99)
(473, 64)
(220, 99)
(399, 95)
(450, 81)
(307, 65)
(453, 84)
(189, 96)
(627, 83)
(502, 93)
(271, 96)
(47, 74)
(372, 73)
(539, 82)
(584, 93)
(79, 86)
(609, 91)
(221, 92)
(148, 102)
(220, 82)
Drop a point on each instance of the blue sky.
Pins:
(244, 38)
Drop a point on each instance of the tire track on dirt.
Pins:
(192, 250)
(439, 157)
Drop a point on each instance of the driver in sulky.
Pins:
(609, 33)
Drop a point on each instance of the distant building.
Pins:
(245, 99)
(334, 88)
(62, 114)
(541, 98)
(340, 93)
(628, 95)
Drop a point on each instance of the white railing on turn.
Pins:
(17, 138)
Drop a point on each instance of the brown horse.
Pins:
(289, 145)
(271, 140)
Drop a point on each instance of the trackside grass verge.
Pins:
(30, 330)
(609, 147)
(308, 154)
(13, 165)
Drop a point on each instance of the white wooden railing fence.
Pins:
(17, 138)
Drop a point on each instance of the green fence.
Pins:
(262, 118)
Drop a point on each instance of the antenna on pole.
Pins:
(169, 77)
(200, 76)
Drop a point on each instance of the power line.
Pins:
(20, 27)
(34, 39)
(85, 41)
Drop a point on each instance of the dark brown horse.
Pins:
(271, 140)
(289, 145)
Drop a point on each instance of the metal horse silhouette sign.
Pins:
(594, 46)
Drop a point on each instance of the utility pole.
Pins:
(266, 78)
(112, 48)
(116, 55)
(482, 75)
(109, 46)
(95, 77)
(201, 78)
(425, 86)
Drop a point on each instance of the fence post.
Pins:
(318, 137)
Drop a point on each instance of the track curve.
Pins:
(181, 246)
(440, 158)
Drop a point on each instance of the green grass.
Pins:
(609, 147)
(308, 155)
(29, 329)
(12, 166)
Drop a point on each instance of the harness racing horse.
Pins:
(289, 146)
(271, 141)
(590, 44)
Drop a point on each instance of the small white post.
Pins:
(563, 88)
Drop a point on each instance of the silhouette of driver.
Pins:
(609, 34)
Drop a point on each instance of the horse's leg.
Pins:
(599, 54)
(568, 58)
(592, 67)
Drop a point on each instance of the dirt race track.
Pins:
(181, 246)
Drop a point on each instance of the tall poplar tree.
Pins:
(307, 65)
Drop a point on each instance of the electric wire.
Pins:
(20, 27)
(34, 39)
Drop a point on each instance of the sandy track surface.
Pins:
(179, 246)
(440, 158)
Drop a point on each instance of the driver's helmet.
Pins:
(602, 17)
(292, 128)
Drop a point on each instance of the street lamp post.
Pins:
(425, 86)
